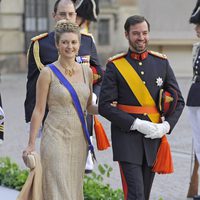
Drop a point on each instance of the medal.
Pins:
(159, 82)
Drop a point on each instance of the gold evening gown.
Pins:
(63, 145)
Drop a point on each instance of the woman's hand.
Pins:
(26, 152)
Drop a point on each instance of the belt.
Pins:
(138, 109)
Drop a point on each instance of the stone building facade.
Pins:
(170, 31)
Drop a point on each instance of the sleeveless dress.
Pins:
(63, 145)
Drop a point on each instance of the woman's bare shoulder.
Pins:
(45, 74)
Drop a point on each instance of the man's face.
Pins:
(197, 29)
(138, 37)
(66, 11)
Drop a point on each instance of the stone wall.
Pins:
(12, 57)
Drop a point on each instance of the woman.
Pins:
(63, 146)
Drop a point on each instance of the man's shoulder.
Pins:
(117, 56)
(196, 46)
(157, 54)
(87, 36)
(39, 37)
(84, 34)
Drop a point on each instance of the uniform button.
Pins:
(144, 82)
(196, 72)
(198, 56)
(197, 61)
(196, 67)
(142, 72)
(140, 63)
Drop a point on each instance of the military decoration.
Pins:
(159, 82)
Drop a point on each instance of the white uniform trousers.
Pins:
(194, 116)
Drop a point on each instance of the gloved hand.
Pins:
(94, 98)
(161, 130)
(143, 126)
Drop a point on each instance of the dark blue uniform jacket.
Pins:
(131, 146)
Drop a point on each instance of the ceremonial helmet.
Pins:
(87, 9)
(195, 17)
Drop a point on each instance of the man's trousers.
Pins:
(136, 180)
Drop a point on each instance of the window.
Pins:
(103, 32)
(36, 18)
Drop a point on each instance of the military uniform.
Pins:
(193, 95)
(42, 52)
(193, 102)
(131, 146)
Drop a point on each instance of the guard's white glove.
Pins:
(143, 126)
(94, 98)
(161, 130)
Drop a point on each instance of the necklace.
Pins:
(68, 70)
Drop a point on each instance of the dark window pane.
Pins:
(35, 18)
(103, 32)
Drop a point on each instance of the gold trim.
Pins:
(39, 37)
(1, 128)
(36, 54)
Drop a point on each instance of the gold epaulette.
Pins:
(157, 54)
(87, 34)
(36, 50)
(38, 37)
(120, 55)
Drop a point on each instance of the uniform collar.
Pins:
(138, 56)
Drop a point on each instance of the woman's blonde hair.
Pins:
(65, 26)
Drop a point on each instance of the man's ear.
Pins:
(53, 14)
(126, 34)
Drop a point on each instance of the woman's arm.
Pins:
(42, 89)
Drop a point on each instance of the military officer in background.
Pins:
(87, 12)
(2, 117)
(42, 51)
(193, 102)
(134, 80)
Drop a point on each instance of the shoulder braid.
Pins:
(157, 54)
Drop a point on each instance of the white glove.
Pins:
(94, 98)
(161, 130)
(143, 126)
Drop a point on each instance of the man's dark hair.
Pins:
(58, 1)
(135, 19)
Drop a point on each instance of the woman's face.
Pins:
(197, 29)
(68, 45)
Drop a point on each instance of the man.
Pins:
(87, 12)
(134, 80)
(43, 51)
(194, 104)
